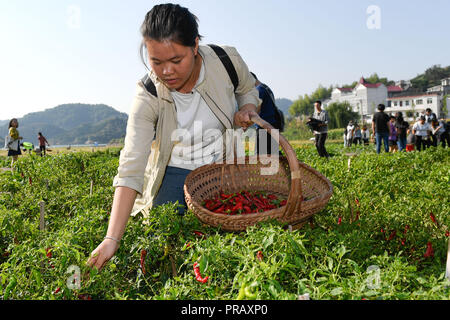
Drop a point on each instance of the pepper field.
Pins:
(383, 235)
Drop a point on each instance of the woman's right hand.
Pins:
(102, 254)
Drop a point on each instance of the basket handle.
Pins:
(295, 194)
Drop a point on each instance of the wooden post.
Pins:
(350, 155)
(92, 187)
(42, 215)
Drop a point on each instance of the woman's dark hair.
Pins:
(170, 22)
(11, 121)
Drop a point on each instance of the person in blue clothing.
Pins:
(268, 113)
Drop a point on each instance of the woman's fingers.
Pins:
(101, 255)
(92, 259)
(243, 118)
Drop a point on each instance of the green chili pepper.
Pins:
(12, 283)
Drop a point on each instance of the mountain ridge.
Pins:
(72, 123)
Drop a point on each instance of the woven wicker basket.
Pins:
(307, 190)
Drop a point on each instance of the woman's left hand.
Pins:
(242, 118)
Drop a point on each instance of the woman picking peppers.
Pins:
(190, 85)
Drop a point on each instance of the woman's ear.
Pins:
(196, 46)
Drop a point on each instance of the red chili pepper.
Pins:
(430, 252)
(259, 256)
(406, 229)
(199, 234)
(220, 209)
(48, 253)
(447, 233)
(30, 181)
(357, 216)
(403, 241)
(382, 230)
(339, 220)
(393, 234)
(357, 202)
(57, 290)
(143, 255)
(433, 218)
(198, 276)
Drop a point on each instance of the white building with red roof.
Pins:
(364, 97)
(412, 105)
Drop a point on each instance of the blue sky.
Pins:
(60, 51)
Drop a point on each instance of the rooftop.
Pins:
(414, 96)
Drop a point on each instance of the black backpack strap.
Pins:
(149, 85)
(226, 61)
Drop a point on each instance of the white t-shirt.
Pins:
(422, 129)
(349, 131)
(199, 132)
(365, 134)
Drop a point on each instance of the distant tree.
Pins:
(305, 105)
(374, 78)
(340, 114)
(444, 105)
(431, 77)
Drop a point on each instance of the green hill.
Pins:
(72, 124)
(430, 78)
(283, 104)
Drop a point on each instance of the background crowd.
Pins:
(396, 134)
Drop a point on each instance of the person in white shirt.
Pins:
(421, 130)
(350, 133)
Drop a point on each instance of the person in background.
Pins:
(381, 128)
(350, 133)
(410, 141)
(430, 116)
(421, 130)
(14, 146)
(357, 135)
(393, 135)
(402, 127)
(345, 137)
(322, 133)
(42, 142)
(269, 114)
(365, 135)
(438, 130)
(445, 137)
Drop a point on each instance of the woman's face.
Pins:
(173, 63)
(14, 123)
